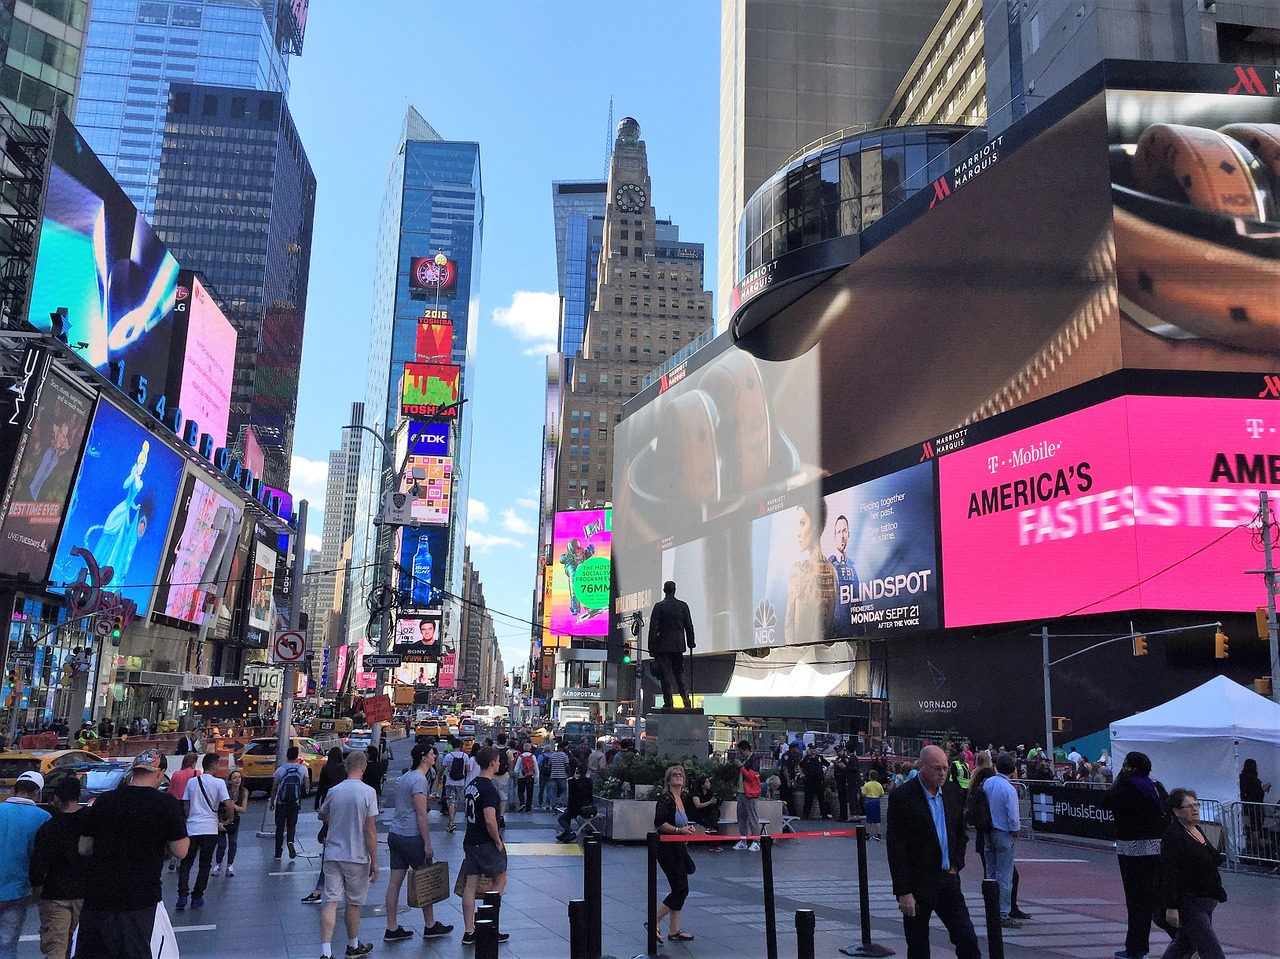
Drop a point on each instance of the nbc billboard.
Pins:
(580, 572)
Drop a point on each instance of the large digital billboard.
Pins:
(419, 629)
(433, 478)
(426, 275)
(99, 259)
(428, 439)
(1074, 253)
(261, 601)
(42, 479)
(201, 384)
(204, 523)
(424, 556)
(581, 572)
(430, 389)
(1142, 502)
(121, 506)
(435, 341)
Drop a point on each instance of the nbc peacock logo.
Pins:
(765, 623)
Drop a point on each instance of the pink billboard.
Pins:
(1138, 503)
(208, 363)
(581, 572)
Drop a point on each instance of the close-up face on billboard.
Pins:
(581, 568)
(99, 258)
(1078, 250)
(121, 506)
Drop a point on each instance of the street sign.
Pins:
(377, 709)
(397, 509)
(290, 646)
(389, 661)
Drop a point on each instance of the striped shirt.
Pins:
(559, 764)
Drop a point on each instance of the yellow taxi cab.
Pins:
(44, 761)
(258, 762)
(432, 727)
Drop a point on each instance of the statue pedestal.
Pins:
(680, 733)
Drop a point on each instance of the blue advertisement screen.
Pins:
(428, 439)
(121, 506)
(857, 562)
(424, 553)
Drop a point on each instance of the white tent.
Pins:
(1201, 739)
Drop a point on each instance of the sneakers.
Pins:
(197, 902)
(1126, 954)
(230, 871)
(1018, 914)
(566, 837)
(469, 938)
(182, 903)
(436, 931)
(754, 847)
(1008, 922)
(312, 897)
(354, 952)
(399, 934)
(216, 870)
(293, 853)
(740, 845)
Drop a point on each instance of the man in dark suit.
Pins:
(926, 840)
(670, 626)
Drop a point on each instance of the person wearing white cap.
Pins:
(20, 817)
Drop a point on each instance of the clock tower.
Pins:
(649, 303)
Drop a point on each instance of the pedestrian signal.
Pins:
(1220, 645)
(1139, 645)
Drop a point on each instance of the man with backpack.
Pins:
(289, 783)
(457, 773)
(526, 775)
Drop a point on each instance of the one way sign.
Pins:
(290, 645)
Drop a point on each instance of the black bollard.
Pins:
(866, 947)
(806, 924)
(591, 892)
(995, 933)
(493, 899)
(651, 913)
(770, 920)
(578, 935)
(486, 939)
(485, 913)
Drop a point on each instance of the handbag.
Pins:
(428, 885)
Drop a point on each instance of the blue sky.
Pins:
(531, 83)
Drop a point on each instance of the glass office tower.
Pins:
(235, 199)
(433, 204)
(41, 49)
(136, 48)
(573, 205)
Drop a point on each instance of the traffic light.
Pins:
(626, 655)
(1264, 628)
(1220, 645)
(117, 629)
(1139, 645)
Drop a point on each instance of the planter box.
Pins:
(631, 820)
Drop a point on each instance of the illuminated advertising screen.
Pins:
(428, 439)
(203, 387)
(448, 671)
(433, 477)
(99, 258)
(580, 572)
(42, 480)
(121, 506)
(1069, 256)
(435, 341)
(428, 388)
(204, 521)
(254, 458)
(427, 276)
(261, 602)
(424, 554)
(419, 630)
(417, 674)
(1142, 502)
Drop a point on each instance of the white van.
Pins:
(492, 714)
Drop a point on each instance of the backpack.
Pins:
(290, 790)
(977, 808)
(504, 762)
(528, 767)
(458, 768)
(750, 783)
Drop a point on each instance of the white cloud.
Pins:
(314, 541)
(514, 523)
(525, 503)
(477, 512)
(531, 318)
(483, 542)
(307, 481)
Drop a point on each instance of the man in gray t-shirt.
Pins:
(409, 842)
(350, 854)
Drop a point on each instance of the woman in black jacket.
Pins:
(1190, 884)
(1138, 804)
(671, 818)
(1253, 790)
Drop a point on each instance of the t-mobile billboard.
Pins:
(1142, 502)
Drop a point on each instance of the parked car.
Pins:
(258, 763)
(95, 779)
(44, 761)
(357, 740)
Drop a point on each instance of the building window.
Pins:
(599, 486)
(604, 377)
(182, 103)
(575, 415)
(266, 111)
(586, 417)
(210, 108)
(239, 108)
(603, 434)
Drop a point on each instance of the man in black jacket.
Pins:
(926, 840)
(670, 627)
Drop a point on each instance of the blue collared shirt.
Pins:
(940, 825)
(1002, 797)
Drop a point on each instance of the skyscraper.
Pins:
(236, 199)
(574, 204)
(41, 49)
(433, 207)
(136, 48)
(339, 523)
(793, 71)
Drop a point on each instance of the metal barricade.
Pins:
(1252, 833)
(1024, 809)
